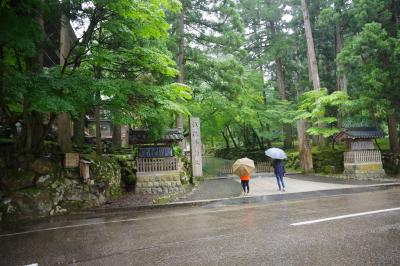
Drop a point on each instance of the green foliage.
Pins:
(178, 151)
(121, 56)
(232, 49)
(372, 60)
(313, 107)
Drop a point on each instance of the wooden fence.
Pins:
(158, 164)
(362, 156)
(261, 167)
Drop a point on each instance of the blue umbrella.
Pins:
(276, 153)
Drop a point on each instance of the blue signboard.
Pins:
(155, 152)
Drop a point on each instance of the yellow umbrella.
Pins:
(243, 166)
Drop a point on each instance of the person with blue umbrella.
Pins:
(278, 156)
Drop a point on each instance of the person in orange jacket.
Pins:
(244, 179)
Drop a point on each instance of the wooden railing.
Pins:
(263, 167)
(226, 168)
(362, 156)
(260, 168)
(158, 164)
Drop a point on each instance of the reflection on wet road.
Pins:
(256, 233)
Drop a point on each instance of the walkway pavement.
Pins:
(264, 184)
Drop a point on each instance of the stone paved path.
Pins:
(260, 184)
(265, 184)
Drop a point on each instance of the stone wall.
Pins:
(158, 183)
(47, 189)
(370, 170)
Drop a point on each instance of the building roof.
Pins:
(359, 133)
(52, 53)
(173, 134)
(142, 136)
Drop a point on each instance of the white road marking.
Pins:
(70, 226)
(33, 264)
(345, 216)
(109, 222)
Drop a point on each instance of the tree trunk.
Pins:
(64, 132)
(287, 129)
(341, 79)
(116, 137)
(63, 119)
(181, 52)
(225, 138)
(99, 145)
(246, 139)
(312, 60)
(260, 144)
(181, 66)
(98, 129)
(232, 138)
(393, 137)
(392, 119)
(79, 130)
(305, 154)
(32, 134)
(280, 77)
(310, 46)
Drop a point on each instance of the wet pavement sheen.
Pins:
(249, 231)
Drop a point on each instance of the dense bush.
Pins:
(391, 163)
(234, 154)
(328, 161)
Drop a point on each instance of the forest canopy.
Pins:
(254, 71)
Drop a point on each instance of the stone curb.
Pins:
(284, 196)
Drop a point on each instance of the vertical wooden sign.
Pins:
(195, 147)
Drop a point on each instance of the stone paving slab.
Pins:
(264, 184)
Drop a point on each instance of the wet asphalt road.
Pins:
(214, 189)
(244, 233)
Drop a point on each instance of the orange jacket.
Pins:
(245, 177)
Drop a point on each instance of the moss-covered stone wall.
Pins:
(46, 188)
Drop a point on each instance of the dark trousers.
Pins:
(279, 179)
(245, 183)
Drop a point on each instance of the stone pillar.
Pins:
(195, 147)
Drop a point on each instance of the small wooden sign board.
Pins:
(71, 160)
(84, 168)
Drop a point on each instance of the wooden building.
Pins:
(362, 161)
